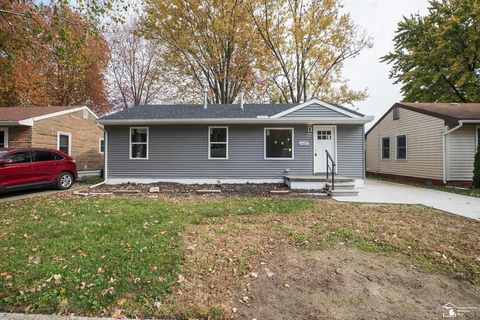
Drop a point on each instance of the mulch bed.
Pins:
(188, 190)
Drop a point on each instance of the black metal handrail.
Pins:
(331, 168)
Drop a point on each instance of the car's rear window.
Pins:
(46, 156)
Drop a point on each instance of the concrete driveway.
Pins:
(375, 191)
(32, 193)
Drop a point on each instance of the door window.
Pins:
(19, 157)
(324, 135)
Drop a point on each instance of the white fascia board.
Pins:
(60, 113)
(26, 122)
(310, 121)
(316, 101)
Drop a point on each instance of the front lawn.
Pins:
(188, 257)
(88, 256)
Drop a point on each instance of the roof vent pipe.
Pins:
(205, 99)
(241, 100)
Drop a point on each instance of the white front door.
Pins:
(324, 138)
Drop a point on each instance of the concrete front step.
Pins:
(342, 192)
(342, 185)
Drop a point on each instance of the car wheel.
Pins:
(64, 181)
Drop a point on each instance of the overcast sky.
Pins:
(379, 18)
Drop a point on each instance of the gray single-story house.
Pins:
(425, 142)
(235, 143)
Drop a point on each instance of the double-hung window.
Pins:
(478, 136)
(139, 143)
(385, 148)
(101, 145)
(402, 147)
(217, 142)
(64, 142)
(278, 143)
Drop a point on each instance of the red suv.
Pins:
(30, 168)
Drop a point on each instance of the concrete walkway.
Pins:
(375, 191)
(32, 193)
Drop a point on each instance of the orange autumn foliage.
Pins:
(51, 57)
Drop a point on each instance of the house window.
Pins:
(278, 143)
(385, 148)
(64, 142)
(402, 147)
(138, 143)
(396, 113)
(3, 137)
(101, 145)
(217, 142)
(85, 114)
(478, 136)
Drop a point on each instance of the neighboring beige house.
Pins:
(425, 142)
(71, 129)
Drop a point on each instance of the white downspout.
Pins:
(444, 145)
(105, 158)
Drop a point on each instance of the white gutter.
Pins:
(259, 120)
(444, 144)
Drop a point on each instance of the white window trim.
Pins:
(62, 133)
(226, 143)
(389, 147)
(265, 143)
(100, 145)
(5, 137)
(406, 146)
(130, 142)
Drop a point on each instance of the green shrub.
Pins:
(476, 170)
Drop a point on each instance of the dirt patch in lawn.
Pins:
(338, 261)
(350, 284)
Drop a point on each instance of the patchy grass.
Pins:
(97, 257)
(190, 257)
(463, 191)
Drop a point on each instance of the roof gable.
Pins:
(30, 114)
(314, 106)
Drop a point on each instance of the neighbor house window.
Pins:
(385, 148)
(278, 143)
(3, 137)
(101, 145)
(85, 114)
(396, 113)
(478, 136)
(138, 143)
(402, 147)
(64, 142)
(218, 142)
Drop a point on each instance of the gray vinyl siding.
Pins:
(350, 152)
(315, 111)
(461, 146)
(181, 152)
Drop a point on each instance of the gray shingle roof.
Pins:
(196, 111)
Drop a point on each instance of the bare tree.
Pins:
(135, 71)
